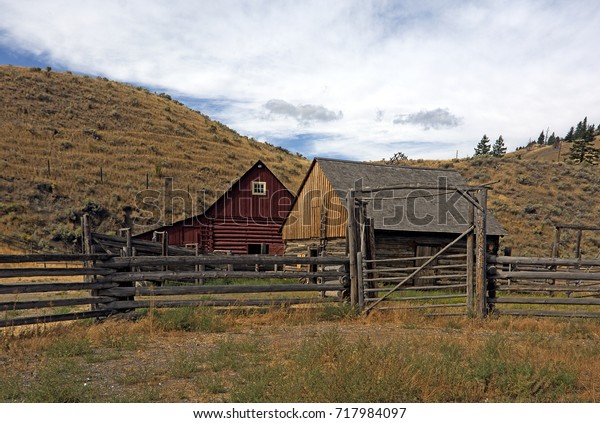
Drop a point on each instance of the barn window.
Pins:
(259, 188)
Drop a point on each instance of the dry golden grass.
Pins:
(303, 355)
(80, 124)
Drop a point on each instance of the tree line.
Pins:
(581, 138)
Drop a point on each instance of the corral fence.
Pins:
(117, 274)
(542, 286)
(44, 288)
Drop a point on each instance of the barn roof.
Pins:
(426, 209)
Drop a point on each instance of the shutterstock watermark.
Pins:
(438, 204)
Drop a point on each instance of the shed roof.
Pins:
(429, 207)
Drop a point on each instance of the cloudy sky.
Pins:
(352, 79)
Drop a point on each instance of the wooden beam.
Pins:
(217, 289)
(352, 246)
(18, 321)
(40, 258)
(26, 305)
(119, 305)
(177, 275)
(402, 259)
(566, 301)
(571, 276)
(53, 287)
(50, 271)
(543, 261)
(424, 298)
(471, 260)
(480, 256)
(553, 288)
(141, 261)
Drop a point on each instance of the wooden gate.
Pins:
(449, 280)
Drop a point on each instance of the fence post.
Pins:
(470, 259)
(352, 245)
(86, 248)
(480, 257)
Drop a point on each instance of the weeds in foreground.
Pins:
(190, 319)
(295, 356)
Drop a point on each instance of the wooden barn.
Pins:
(246, 219)
(406, 222)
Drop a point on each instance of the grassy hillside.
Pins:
(59, 132)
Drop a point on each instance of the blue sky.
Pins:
(356, 79)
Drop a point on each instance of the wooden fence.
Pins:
(114, 284)
(539, 286)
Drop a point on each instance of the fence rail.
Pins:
(548, 287)
(110, 283)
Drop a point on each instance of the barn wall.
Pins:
(304, 220)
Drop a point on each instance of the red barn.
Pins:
(245, 220)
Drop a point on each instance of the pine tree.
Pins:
(570, 135)
(552, 139)
(483, 148)
(499, 150)
(583, 149)
(541, 139)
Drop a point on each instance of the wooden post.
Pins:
(230, 265)
(359, 277)
(480, 255)
(165, 246)
(147, 181)
(312, 252)
(48, 168)
(556, 245)
(578, 244)
(128, 242)
(88, 248)
(199, 267)
(470, 260)
(101, 175)
(86, 238)
(352, 245)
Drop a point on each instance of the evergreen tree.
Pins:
(551, 139)
(483, 148)
(499, 150)
(541, 139)
(570, 135)
(583, 149)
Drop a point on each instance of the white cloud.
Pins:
(427, 119)
(511, 68)
(303, 113)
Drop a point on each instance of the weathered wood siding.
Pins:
(317, 196)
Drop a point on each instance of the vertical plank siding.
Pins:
(317, 197)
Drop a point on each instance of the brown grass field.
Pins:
(323, 354)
